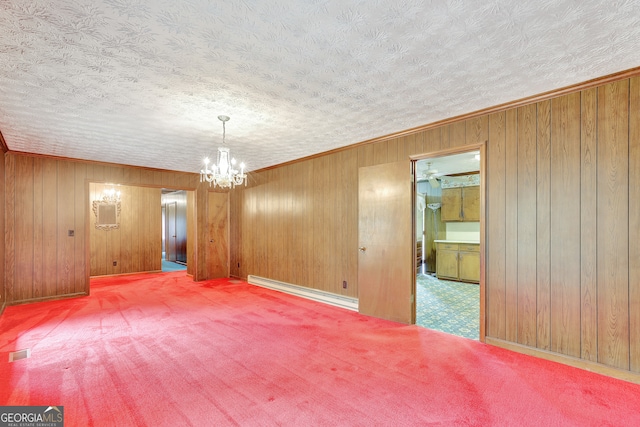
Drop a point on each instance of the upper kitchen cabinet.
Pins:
(461, 204)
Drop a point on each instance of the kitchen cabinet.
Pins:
(461, 204)
(447, 260)
(458, 261)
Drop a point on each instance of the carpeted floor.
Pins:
(447, 306)
(162, 350)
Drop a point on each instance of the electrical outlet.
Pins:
(115, 263)
(344, 284)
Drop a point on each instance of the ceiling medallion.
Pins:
(223, 174)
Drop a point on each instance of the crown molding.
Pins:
(96, 162)
(3, 144)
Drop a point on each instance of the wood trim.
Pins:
(483, 242)
(127, 274)
(49, 298)
(342, 301)
(577, 87)
(108, 164)
(449, 152)
(566, 360)
(3, 143)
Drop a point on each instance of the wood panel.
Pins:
(613, 225)
(66, 223)
(318, 237)
(392, 151)
(565, 227)
(191, 229)
(588, 243)
(407, 147)
(457, 134)
(24, 229)
(81, 213)
(350, 244)
(310, 212)
(526, 205)
(38, 239)
(432, 141)
(10, 230)
(325, 274)
(511, 226)
(299, 204)
(496, 227)
(543, 225)
(477, 130)
(380, 152)
(634, 223)
(49, 204)
(128, 232)
(146, 228)
(135, 236)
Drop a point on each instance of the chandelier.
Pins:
(110, 196)
(223, 174)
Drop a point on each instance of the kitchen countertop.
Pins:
(468, 242)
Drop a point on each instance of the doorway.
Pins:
(174, 230)
(449, 242)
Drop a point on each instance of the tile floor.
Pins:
(447, 306)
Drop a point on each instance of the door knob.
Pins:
(362, 249)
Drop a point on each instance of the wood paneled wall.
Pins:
(562, 217)
(137, 245)
(562, 213)
(46, 197)
(299, 223)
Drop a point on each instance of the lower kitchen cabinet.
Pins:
(458, 261)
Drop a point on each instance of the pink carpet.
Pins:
(161, 350)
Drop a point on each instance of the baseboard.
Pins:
(308, 293)
(51, 298)
(566, 360)
(133, 273)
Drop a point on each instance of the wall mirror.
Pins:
(107, 211)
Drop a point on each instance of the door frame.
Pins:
(482, 148)
(169, 254)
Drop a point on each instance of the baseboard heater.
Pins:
(308, 293)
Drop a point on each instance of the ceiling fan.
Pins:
(431, 176)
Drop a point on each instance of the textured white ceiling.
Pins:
(141, 82)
